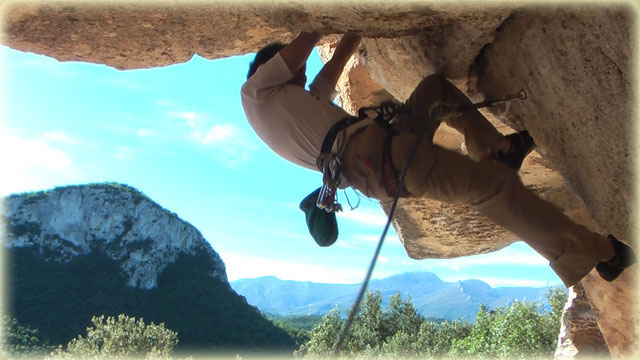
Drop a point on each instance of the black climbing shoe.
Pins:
(521, 145)
(623, 258)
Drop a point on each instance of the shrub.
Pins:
(124, 337)
(22, 340)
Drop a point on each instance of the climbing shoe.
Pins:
(623, 258)
(521, 145)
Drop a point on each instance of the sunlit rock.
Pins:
(113, 219)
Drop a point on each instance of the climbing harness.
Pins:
(437, 112)
(329, 162)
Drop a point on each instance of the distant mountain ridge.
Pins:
(432, 297)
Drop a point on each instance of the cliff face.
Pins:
(113, 219)
(78, 251)
(574, 61)
(579, 335)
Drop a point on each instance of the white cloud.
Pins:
(62, 137)
(20, 153)
(165, 102)
(52, 66)
(231, 145)
(147, 133)
(187, 115)
(389, 239)
(504, 257)
(368, 238)
(191, 117)
(42, 62)
(383, 259)
(225, 134)
(345, 245)
(124, 84)
(505, 282)
(246, 266)
(124, 153)
(365, 216)
(230, 142)
(292, 235)
(31, 164)
(218, 133)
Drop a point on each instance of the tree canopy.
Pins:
(520, 330)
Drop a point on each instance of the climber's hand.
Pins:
(295, 54)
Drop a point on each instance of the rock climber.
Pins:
(293, 122)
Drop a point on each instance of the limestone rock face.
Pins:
(579, 333)
(429, 228)
(577, 68)
(574, 61)
(551, 53)
(128, 36)
(114, 219)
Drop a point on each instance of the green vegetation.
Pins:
(108, 187)
(521, 330)
(117, 189)
(59, 299)
(33, 197)
(22, 340)
(124, 337)
(300, 322)
(297, 326)
(27, 228)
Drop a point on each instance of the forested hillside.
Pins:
(80, 251)
(60, 299)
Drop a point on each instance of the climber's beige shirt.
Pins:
(290, 120)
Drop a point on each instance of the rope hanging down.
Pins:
(436, 113)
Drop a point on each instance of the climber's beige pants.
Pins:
(492, 188)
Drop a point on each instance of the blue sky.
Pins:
(179, 135)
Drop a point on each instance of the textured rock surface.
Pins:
(579, 332)
(432, 229)
(580, 113)
(129, 36)
(575, 63)
(617, 310)
(552, 53)
(114, 219)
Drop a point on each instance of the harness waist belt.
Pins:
(332, 134)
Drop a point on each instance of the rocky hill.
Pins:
(114, 219)
(78, 251)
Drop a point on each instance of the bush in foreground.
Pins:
(124, 337)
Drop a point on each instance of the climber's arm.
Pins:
(331, 71)
(296, 53)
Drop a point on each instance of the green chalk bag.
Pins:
(322, 224)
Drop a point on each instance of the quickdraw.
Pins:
(331, 170)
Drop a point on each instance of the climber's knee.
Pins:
(431, 89)
(491, 182)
